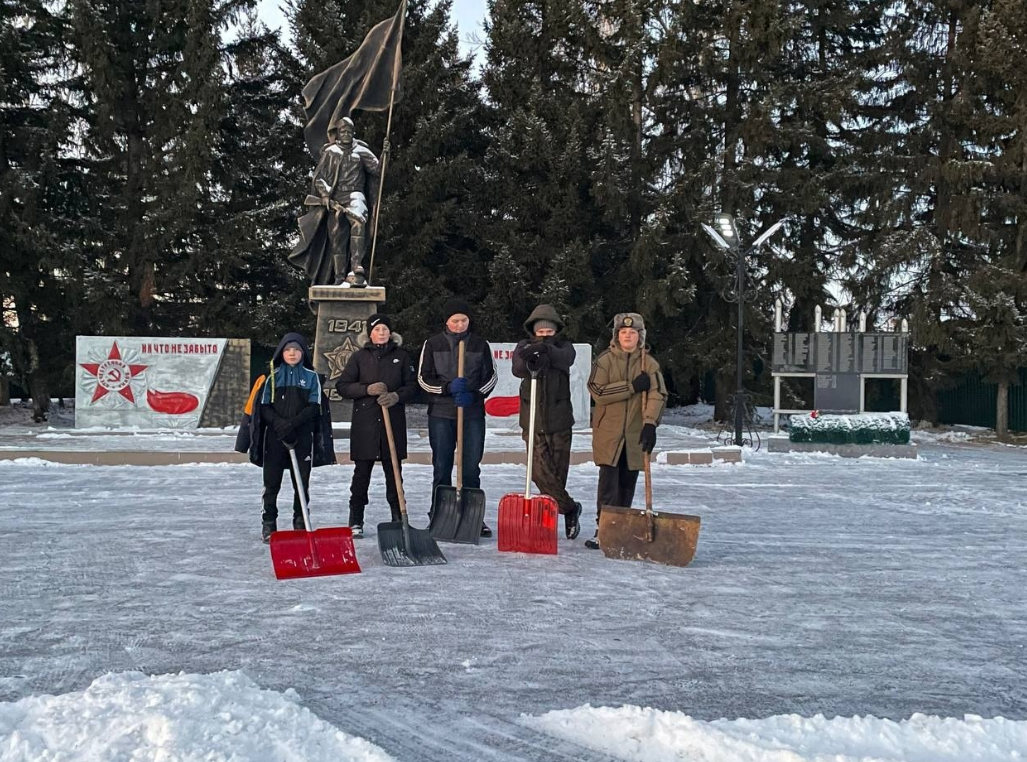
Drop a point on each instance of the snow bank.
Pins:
(129, 716)
(650, 735)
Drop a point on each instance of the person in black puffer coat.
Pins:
(380, 380)
(446, 390)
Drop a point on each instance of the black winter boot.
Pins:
(297, 522)
(268, 524)
(571, 526)
(593, 544)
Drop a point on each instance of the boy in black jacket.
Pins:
(437, 375)
(551, 358)
(380, 380)
(289, 415)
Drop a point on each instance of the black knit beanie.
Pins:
(378, 318)
(455, 306)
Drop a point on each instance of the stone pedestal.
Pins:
(342, 315)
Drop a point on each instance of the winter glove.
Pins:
(648, 437)
(537, 361)
(526, 351)
(641, 383)
(540, 348)
(388, 399)
(373, 390)
(283, 429)
(457, 386)
(463, 399)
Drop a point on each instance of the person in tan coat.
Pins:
(623, 433)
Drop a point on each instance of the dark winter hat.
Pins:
(544, 324)
(455, 306)
(378, 319)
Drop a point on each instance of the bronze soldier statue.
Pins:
(333, 234)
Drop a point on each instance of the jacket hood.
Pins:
(277, 360)
(543, 312)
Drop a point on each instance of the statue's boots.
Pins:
(340, 262)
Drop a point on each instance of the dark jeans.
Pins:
(442, 437)
(276, 463)
(362, 479)
(616, 485)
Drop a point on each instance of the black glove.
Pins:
(283, 428)
(541, 347)
(526, 351)
(648, 437)
(537, 361)
(641, 383)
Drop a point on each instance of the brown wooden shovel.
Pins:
(648, 535)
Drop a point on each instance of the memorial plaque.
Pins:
(837, 392)
(885, 353)
(792, 353)
(836, 353)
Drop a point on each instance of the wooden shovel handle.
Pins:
(645, 467)
(395, 462)
(460, 424)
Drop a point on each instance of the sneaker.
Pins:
(485, 531)
(358, 530)
(593, 544)
(267, 529)
(571, 527)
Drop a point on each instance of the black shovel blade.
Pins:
(402, 545)
(458, 515)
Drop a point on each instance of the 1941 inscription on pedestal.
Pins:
(342, 315)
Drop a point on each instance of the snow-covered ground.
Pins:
(836, 610)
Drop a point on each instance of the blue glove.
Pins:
(464, 399)
(458, 386)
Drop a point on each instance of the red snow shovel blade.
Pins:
(296, 553)
(527, 524)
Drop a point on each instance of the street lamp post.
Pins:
(725, 234)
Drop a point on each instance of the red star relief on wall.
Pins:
(113, 375)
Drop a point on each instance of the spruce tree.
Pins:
(248, 288)
(154, 103)
(541, 217)
(39, 272)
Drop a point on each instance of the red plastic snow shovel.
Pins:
(312, 553)
(400, 544)
(528, 524)
(459, 512)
